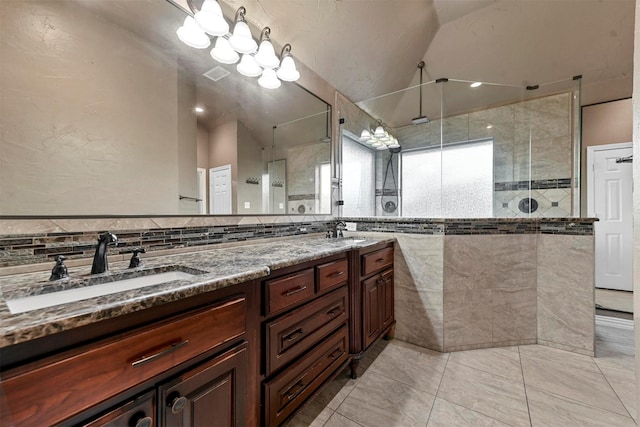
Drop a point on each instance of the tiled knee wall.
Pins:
(506, 286)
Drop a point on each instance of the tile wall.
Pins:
(465, 284)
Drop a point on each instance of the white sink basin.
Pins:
(35, 302)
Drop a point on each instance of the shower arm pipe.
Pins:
(421, 67)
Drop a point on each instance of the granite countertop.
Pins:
(214, 269)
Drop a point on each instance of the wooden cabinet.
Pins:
(212, 394)
(140, 412)
(377, 305)
(306, 340)
(372, 299)
(203, 353)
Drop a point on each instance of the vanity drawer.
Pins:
(332, 274)
(51, 390)
(290, 389)
(288, 290)
(297, 331)
(376, 261)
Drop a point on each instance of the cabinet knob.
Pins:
(139, 419)
(176, 402)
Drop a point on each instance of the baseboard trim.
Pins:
(614, 322)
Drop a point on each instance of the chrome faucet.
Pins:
(100, 258)
(338, 228)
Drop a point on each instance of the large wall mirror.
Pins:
(98, 117)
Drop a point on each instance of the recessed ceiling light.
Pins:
(489, 126)
(476, 84)
(199, 110)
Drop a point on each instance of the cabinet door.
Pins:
(139, 412)
(212, 394)
(371, 298)
(386, 300)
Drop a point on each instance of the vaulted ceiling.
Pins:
(365, 48)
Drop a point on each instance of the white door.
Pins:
(220, 190)
(202, 190)
(609, 198)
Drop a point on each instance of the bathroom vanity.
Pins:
(246, 345)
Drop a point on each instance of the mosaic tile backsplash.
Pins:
(32, 241)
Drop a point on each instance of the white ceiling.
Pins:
(365, 48)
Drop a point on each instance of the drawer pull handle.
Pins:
(295, 390)
(379, 260)
(294, 335)
(176, 402)
(294, 291)
(337, 353)
(333, 311)
(336, 274)
(173, 347)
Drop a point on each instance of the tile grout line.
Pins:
(438, 389)
(335, 411)
(579, 402)
(524, 386)
(613, 389)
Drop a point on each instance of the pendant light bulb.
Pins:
(211, 20)
(192, 35)
(223, 53)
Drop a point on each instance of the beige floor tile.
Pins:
(336, 391)
(561, 357)
(312, 414)
(615, 300)
(489, 394)
(504, 361)
(622, 380)
(447, 414)
(338, 420)
(412, 365)
(380, 401)
(588, 387)
(551, 410)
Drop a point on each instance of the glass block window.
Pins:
(358, 178)
(453, 182)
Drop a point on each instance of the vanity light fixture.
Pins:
(287, 70)
(223, 53)
(379, 139)
(266, 56)
(211, 20)
(241, 40)
(248, 66)
(269, 80)
(192, 35)
(255, 61)
(476, 84)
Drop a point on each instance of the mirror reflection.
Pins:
(105, 112)
(484, 151)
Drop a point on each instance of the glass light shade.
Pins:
(377, 144)
(192, 35)
(287, 70)
(269, 80)
(241, 40)
(248, 66)
(365, 135)
(394, 146)
(379, 133)
(223, 53)
(382, 147)
(266, 56)
(211, 20)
